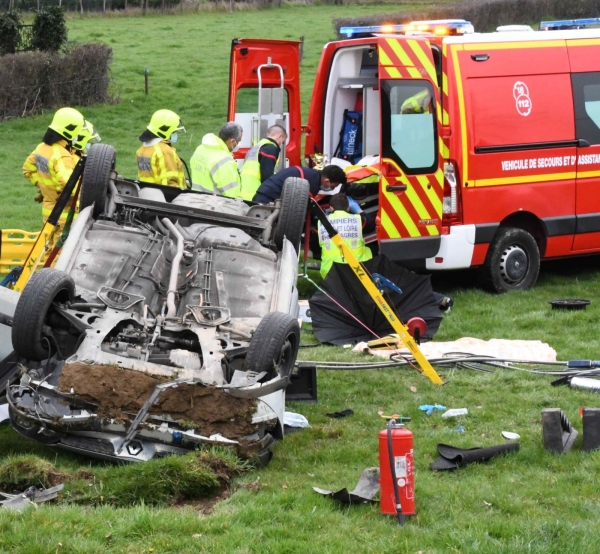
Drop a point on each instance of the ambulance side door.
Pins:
(264, 90)
(584, 57)
(412, 181)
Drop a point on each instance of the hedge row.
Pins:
(486, 15)
(32, 81)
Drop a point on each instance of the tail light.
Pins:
(451, 204)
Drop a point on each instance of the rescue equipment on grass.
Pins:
(396, 471)
(374, 293)
(331, 323)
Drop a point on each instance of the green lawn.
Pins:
(530, 501)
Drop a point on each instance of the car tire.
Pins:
(99, 164)
(292, 217)
(44, 287)
(512, 261)
(274, 346)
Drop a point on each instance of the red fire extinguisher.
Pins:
(396, 471)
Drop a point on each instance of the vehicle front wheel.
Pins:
(512, 261)
(38, 329)
(274, 346)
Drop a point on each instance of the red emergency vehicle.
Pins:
(496, 166)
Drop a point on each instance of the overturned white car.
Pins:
(169, 321)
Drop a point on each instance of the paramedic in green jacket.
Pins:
(261, 160)
(213, 167)
(349, 227)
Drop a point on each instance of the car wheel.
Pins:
(99, 164)
(292, 217)
(512, 261)
(35, 333)
(274, 346)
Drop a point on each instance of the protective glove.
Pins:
(428, 408)
(39, 198)
(354, 206)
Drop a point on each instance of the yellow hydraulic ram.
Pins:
(374, 293)
(45, 238)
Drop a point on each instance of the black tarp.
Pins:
(331, 324)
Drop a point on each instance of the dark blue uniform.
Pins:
(267, 158)
(270, 190)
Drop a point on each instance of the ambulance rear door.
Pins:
(584, 56)
(264, 90)
(412, 180)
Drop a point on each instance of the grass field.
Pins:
(530, 501)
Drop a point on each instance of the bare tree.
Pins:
(103, 6)
(81, 8)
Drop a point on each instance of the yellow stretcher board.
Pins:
(367, 283)
(15, 246)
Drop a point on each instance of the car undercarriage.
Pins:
(169, 321)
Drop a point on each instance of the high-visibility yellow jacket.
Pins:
(419, 103)
(251, 173)
(349, 227)
(49, 168)
(159, 163)
(214, 169)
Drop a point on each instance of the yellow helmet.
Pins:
(164, 123)
(88, 135)
(67, 122)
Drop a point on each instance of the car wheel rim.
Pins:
(284, 365)
(514, 265)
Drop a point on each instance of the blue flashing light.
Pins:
(569, 24)
(440, 27)
(371, 29)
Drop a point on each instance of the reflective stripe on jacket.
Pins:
(214, 169)
(349, 227)
(159, 163)
(251, 175)
(49, 168)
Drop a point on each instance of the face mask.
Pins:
(174, 138)
(237, 145)
(87, 147)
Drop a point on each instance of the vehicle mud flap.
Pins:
(259, 450)
(364, 493)
(452, 457)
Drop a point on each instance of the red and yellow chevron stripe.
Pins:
(417, 212)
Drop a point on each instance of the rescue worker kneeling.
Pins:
(213, 167)
(50, 165)
(157, 160)
(350, 228)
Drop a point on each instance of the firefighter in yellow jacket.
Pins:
(350, 227)
(157, 160)
(212, 165)
(50, 165)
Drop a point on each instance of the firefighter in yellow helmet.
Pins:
(87, 136)
(157, 160)
(50, 165)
